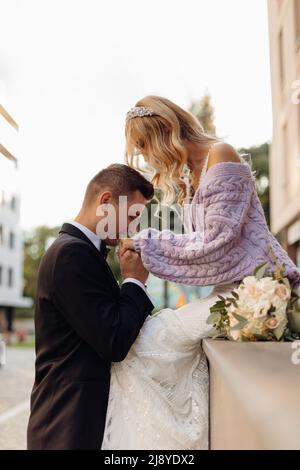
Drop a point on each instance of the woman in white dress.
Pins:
(159, 393)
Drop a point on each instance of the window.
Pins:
(10, 277)
(11, 240)
(1, 271)
(1, 235)
(2, 199)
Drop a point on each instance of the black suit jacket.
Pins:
(84, 321)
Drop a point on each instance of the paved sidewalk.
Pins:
(16, 380)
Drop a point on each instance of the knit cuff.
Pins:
(136, 244)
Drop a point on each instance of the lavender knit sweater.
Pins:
(235, 240)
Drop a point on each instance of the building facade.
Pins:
(284, 36)
(11, 245)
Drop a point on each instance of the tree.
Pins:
(260, 163)
(35, 244)
(204, 111)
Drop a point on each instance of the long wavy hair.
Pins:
(161, 139)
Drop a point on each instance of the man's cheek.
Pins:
(133, 226)
(122, 228)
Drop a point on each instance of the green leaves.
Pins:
(219, 314)
(217, 307)
(259, 337)
(291, 335)
(260, 270)
(278, 332)
(213, 318)
(294, 321)
(242, 321)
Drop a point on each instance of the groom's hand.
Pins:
(131, 266)
(126, 244)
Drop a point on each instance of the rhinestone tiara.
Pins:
(139, 111)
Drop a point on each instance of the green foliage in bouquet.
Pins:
(262, 308)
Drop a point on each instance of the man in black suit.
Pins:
(83, 319)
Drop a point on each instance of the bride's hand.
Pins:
(126, 244)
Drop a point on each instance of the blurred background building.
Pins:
(284, 34)
(11, 245)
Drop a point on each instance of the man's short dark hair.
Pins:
(120, 180)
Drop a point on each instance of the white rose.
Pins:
(251, 287)
(280, 312)
(235, 335)
(259, 325)
(248, 280)
(255, 326)
(283, 292)
(267, 286)
(279, 303)
(261, 308)
(272, 323)
(245, 311)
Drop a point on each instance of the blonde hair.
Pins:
(161, 137)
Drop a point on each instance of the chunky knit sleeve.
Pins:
(206, 256)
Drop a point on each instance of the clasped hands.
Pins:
(126, 244)
(130, 262)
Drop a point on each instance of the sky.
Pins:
(71, 69)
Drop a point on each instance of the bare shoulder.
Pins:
(222, 152)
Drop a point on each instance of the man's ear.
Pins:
(103, 201)
(105, 198)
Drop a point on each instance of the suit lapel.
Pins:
(75, 232)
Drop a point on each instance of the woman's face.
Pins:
(146, 158)
(142, 151)
(140, 147)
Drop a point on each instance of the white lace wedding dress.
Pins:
(159, 393)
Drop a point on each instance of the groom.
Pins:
(83, 319)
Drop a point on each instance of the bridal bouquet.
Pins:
(261, 308)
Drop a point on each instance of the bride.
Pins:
(159, 393)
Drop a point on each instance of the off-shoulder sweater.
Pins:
(229, 239)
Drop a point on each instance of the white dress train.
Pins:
(159, 393)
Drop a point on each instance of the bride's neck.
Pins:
(196, 156)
